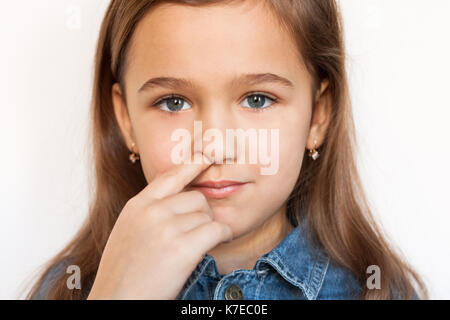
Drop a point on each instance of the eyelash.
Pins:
(275, 100)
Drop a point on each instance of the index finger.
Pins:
(174, 180)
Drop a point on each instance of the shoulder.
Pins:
(49, 278)
(339, 284)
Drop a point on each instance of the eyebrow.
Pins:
(246, 79)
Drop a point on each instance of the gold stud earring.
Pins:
(133, 156)
(313, 153)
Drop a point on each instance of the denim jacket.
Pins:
(293, 270)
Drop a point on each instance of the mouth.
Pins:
(218, 189)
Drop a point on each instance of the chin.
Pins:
(226, 214)
(236, 219)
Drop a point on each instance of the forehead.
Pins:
(210, 42)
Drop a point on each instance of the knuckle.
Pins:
(201, 200)
(205, 216)
(131, 208)
(221, 228)
(131, 204)
(216, 227)
(198, 196)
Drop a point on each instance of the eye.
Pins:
(258, 101)
(172, 104)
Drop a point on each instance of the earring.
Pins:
(313, 153)
(133, 156)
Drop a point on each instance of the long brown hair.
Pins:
(328, 192)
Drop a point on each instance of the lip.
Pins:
(218, 189)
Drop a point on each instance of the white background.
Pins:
(398, 69)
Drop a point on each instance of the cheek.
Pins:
(293, 138)
(155, 147)
(293, 134)
(277, 187)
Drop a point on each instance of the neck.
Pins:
(244, 251)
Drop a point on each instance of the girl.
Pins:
(213, 230)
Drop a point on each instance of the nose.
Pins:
(210, 131)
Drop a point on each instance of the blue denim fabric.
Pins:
(293, 270)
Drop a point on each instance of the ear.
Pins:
(321, 117)
(122, 117)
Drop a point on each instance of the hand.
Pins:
(159, 238)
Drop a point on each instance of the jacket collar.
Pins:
(298, 261)
(294, 258)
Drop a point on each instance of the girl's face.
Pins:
(230, 67)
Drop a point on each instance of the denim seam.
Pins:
(261, 281)
(318, 276)
(280, 267)
(197, 276)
